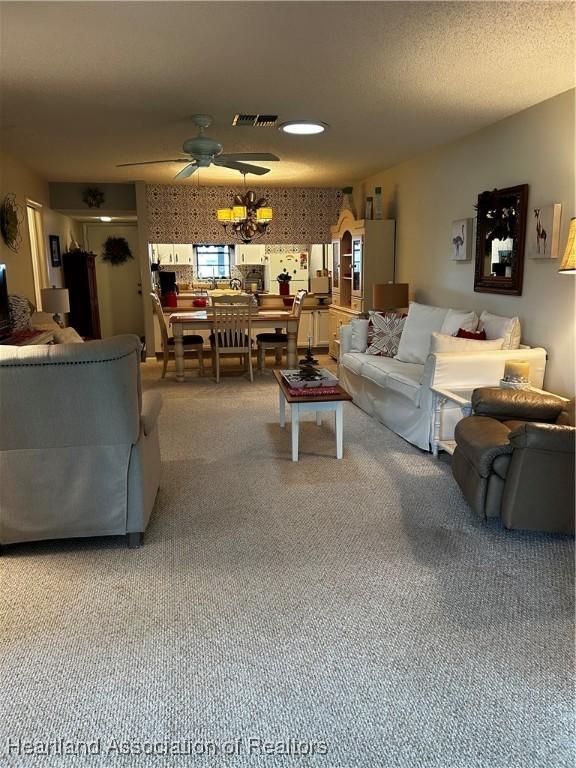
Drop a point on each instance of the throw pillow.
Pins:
(478, 335)
(19, 313)
(68, 336)
(359, 340)
(384, 333)
(459, 318)
(497, 327)
(443, 343)
(422, 320)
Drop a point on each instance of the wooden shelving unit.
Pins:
(362, 256)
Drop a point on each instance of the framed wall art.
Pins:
(543, 236)
(55, 258)
(461, 240)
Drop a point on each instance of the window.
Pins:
(213, 261)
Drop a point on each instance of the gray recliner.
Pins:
(79, 449)
(514, 459)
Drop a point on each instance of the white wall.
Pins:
(18, 179)
(427, 193)
(66, 228)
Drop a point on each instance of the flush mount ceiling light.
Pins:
(303, 127)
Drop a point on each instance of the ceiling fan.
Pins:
(204, 151)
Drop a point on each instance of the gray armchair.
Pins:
(79, 449)
(514, 459)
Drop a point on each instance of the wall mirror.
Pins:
(500, 236)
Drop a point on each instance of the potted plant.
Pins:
(284, 283)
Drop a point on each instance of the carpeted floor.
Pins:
(355, 608)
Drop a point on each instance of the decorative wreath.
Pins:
(11, 217)
(116, 251)
(93, 197)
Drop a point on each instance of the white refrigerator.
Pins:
(297, 265)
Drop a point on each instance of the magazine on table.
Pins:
(293, 378)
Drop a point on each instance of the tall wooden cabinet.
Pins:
(80, 279)
(362, 256)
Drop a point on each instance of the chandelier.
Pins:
(248, 217)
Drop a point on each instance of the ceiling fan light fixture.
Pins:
(303, 127)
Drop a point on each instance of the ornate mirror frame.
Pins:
(501, 215)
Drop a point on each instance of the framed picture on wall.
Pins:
(461, 240)
(544, 232)
(55, 258)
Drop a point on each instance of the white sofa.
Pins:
(399, 393)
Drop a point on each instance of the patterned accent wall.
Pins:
(187, 214)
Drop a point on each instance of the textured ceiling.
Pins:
(87, 85)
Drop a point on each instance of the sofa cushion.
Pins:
(354, 361)
(405, 385)
(67, 336)
(475, 335)
(380, 370)
(359, 340)
(459, 318)
(421, 322)
(443, 343)
(384, 333)
(497, 327)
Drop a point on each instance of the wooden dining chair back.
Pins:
(231, 331)
(279, 341)
(192, 342)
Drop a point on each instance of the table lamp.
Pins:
(389, 296)
(568, 266)
(57, 301)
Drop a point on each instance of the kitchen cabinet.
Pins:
(321, 328)
(249, 254)
(306, 328)
(314, 324)
(174, 254)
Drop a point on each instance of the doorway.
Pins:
(119, 286)
(39, 266)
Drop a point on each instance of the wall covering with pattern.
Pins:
(187, 214)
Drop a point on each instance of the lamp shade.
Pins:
(389, 295)
(238, 212)
(224, 214)
(568, 266)
(264, 214)
(55, 300)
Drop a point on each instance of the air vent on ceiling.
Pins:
(257, 121)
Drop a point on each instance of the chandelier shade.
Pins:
(248, 217)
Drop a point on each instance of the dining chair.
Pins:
(279, 341)
(192, 342)
(231, 330)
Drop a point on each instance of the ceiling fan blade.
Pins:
(242, 167)
(187, 171)
(256, 156)
(152, 162)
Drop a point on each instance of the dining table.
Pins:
(202, 321)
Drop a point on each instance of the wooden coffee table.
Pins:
(316, 403)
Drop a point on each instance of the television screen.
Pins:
(4, 313)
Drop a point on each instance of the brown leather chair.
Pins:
(514, 459)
